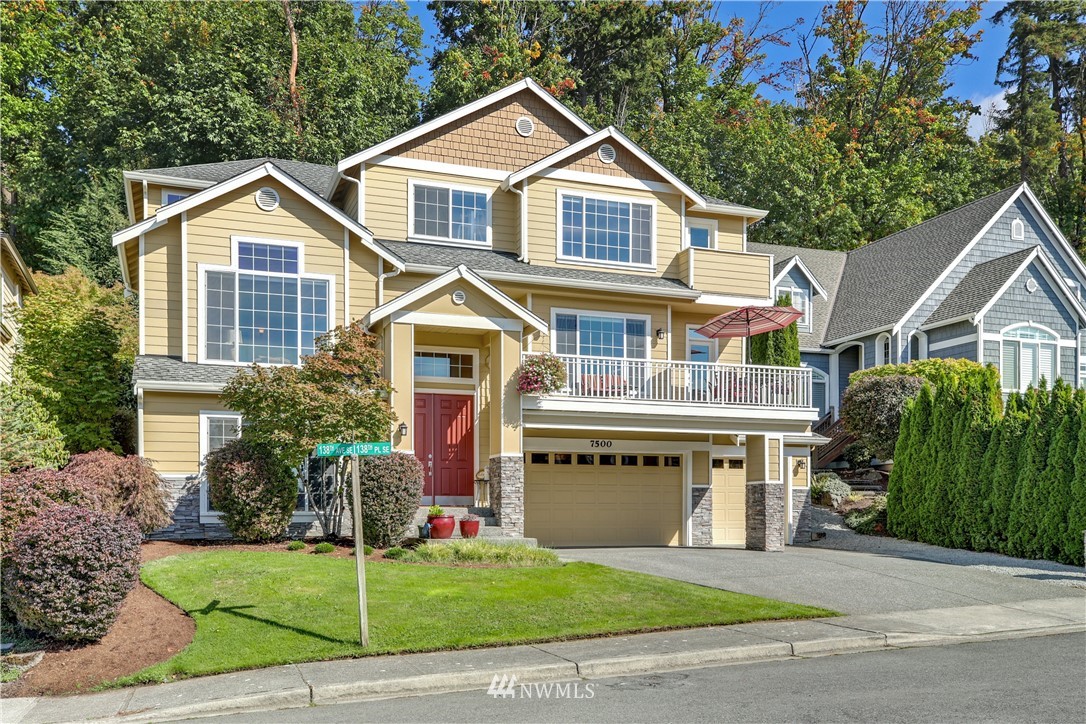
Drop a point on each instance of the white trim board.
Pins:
(954, 342)
(797, 262)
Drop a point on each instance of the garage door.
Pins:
(729, 501)
(592, 499)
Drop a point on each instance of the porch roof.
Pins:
(162, 372)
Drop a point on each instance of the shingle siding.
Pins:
(966, 350)
(950, 331)
(1044, 306)
(817, 361)
(846, 365)
(1068, 362)
(991, 353)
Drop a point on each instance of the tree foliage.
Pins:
(872, 407)
(29, 436)
(780, 347)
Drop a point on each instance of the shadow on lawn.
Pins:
(214, 607)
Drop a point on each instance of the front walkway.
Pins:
(853, 573)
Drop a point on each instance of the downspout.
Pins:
(381, 276)
(523, 194)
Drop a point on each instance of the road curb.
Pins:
(290, 699)
(909, 640)
(620, 666)
(842, 645)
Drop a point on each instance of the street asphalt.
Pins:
(1025, 680)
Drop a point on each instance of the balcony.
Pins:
(687, 384)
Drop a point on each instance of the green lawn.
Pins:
(264, 609)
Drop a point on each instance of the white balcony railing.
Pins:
(693, 383)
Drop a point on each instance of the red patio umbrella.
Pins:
(749, 321)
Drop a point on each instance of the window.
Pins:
(701, 233)
(801, 300)
(263, 309)
(170, 196)
(1028, 354)
(1018, 229)
(444, 365)
(216, 429)
(883, 350)
(450, 214)
(606, 230)
(598, 335)
(698, 347)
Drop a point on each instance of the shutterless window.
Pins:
(1028, 355)
(606, 230)
(169, 197)
(801, 301)
(445, 213)
(220, 430)
(450, 365)
(600, 336)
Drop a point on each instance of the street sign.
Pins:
(339, 449)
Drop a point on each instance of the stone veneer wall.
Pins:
(765, 516)
(507, 492)
(801, 514)
(701, 518)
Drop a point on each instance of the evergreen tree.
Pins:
(1076, 513)
(901, 477)
(1054, 495)
(982, 536)
(1012, 438)
(1023, 523)
(780, 347)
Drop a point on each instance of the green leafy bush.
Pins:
(477, 551)
(324, 547)
(295, 545)
(69, 571)
(870, 520)
(828, 488)
(27, 493)
(367, 550)
(29, 436)
(395, 553)
(125, 485)
(391, 486)
(541, 374)
(856, 455)
(871, 408)
(253, 489)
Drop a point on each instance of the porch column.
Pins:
(399, 370)
(506, 465)
(765, 494)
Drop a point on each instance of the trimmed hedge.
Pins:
(125, 485)
(253, 489)
(391, 486)
(966, 476)
(69, 571)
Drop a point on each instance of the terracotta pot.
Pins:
(469, 528)
(441, 526)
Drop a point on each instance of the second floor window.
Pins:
(449, 214)
(599, 335)
(605, 230)
(264, 310)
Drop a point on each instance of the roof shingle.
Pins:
(317, 177)
(156, 368)
(978, 287)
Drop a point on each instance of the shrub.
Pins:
(295, 545)
(391, 486)
(780, 347)
(541, 374)
(70, 571)
(857, 455)
(366, 550)
(29, 436)
(870, 520)
(395, 553)
(324, 547)
(27, 493)
(871, 408)
(125, 485)
(476, 551)
(827, 487)
(255, 491)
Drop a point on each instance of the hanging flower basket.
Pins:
(541, 374)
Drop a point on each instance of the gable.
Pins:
(625, 165)
(1044, 305)
(488, 137)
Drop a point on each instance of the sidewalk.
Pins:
(387, 676)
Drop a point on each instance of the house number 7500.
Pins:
(600, 443)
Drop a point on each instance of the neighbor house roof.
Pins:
(503, 266)
(978, 287)
(317, 177)
(883, 280)
(826, 266)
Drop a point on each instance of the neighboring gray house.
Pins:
(993, 281)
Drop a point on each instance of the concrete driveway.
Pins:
(854, 574)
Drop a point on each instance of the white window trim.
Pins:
(184, 193)
(474, 353)
(714, 344)
(559, 256)
(1057, 342)
(201, 296)
(791, 291)
(696, 223)
(880, 353)
(1018, 229)
(448, 240)
(555, 311)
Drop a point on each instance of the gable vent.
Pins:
(267, 198)
(606, 153)
(525, 126)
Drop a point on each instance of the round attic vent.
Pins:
(525, 126)
(459, 297)
(267, 198)
(1031, 285)
(606, 153)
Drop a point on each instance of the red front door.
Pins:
(445, 445)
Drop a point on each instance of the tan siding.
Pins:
(543, 304)
(161, 290)
(774, 459)
(171, 429)
(625, 165)
(132, 261)
(387, 198)
(729, 231)
(799, 472)
(729, 272)
(489, 139)
(728, 350)
(543, 222)
(363, 270)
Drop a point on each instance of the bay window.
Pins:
(446, 213)
(263, 308)
(605, 230)
(1028, 355)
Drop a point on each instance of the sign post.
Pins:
(354, 449)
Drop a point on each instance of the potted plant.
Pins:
(469, 526)
(541, 374)
(441, 525)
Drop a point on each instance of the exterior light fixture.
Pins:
(660, 334)
(403, 429)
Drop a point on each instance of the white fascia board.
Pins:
(169, 386)
(971, 317)
(157, 178)
(568, 283)
(124, 267)
(729, 300)
(748, 212)
(957, 260)
(451, 116)
(140, 227)
(460, 272)
(128, 199)
(797, 262)
(859, 335)
(1070, 255)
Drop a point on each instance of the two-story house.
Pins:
(993, 281)
(16, 282)
(506, 228)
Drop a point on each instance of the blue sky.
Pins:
(974, 81)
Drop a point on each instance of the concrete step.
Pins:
(485, 515)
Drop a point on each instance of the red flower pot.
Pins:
(441, 526)
(469, 528)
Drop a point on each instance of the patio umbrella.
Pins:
(749, 321)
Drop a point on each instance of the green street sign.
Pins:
(339, 449)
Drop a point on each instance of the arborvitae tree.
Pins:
(777, 348)
(1024, 526)
(936, 507)
(982, 535)
(903, 505)
(972, 432)
(1014, 423)
(1054, 495)
(902, 466)
(1076, 524)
